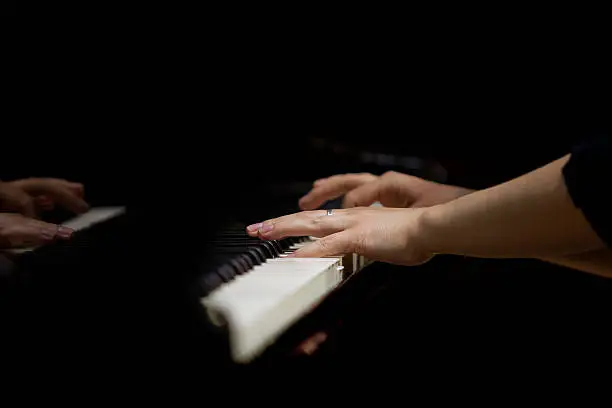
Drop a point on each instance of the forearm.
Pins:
(595, 262)
(531, 216)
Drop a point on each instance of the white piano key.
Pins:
(261, 304)
(93, 216)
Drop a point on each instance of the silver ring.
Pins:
(330, 212)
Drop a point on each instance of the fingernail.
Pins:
(48, 234)
(64, 232)
(254, 227)
(266, 228)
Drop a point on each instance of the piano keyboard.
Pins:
(254, 291)
(261, 303)
(93, 216)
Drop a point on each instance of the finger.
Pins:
(331, 245)
(76, 188)
(364, 195)
(311, 223)
(333, 187)
(256, 229)
(60, 191)
(33, 232)
(68, 200)
(44, 202)
(312, 344)
(59, 231)
(17, 200)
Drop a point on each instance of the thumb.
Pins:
(336, 244)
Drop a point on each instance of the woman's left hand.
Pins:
(380, 234)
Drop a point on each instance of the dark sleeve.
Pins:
(588, 177)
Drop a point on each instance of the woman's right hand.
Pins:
(392, 189)
(17, 231)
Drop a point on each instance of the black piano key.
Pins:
(244, 265)
(211, 281)
(246, 258)
(253, 257)
(270, 248)
(237, 253)
(237, 268)
(277, 246)
(285, 244)
(257, 252)
(273, 247)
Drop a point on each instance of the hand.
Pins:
(380, 234)
(28, 196)
(391, 190)
(19, 231)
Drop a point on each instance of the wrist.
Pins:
(431, 229)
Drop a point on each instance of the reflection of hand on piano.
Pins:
(31, 195)
(379, 234)
(311, 344)
(18, 231)
(80, 222)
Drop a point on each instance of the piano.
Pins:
(250, 298)
(163, 289)
(181, 280)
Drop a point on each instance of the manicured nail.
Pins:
(64, 232)
(254, 227)
(48, 234)
(266, 228)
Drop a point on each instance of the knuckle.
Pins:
(359, 243)
(327, 244)
(323, 244)
(316, 221)
(337, 179)
(390, 174)
(309, 215)
(350, 197)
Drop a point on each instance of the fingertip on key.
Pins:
(64, 232)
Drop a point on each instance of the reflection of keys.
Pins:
(93, 216)
(85, 220)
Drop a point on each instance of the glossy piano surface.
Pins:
(107, 289)
(128, 292)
